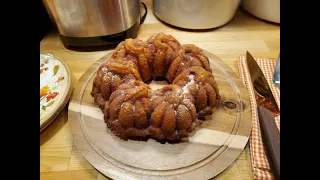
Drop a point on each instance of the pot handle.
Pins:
(143, 17)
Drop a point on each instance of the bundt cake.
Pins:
(110, 75)
(136, 51)
(202, 87)
(189, 55)
(132, 110)
(164, 49)
(173, 115)
(128, 110)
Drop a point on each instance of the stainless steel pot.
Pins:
(88, 23)
(195, 14)
(268, 10)
(92, 18)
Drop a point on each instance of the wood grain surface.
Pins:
(60, 158)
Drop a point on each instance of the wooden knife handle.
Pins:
(271, 138)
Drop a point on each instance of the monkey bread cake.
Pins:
(133, 110)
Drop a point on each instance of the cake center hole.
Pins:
(158, 83)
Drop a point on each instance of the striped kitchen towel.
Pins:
(260, 165)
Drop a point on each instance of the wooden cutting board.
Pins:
(209, 150)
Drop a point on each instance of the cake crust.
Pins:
(132, 110)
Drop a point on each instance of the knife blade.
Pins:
(276, 75)
(267, 109)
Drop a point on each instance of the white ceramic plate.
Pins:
(55, 88)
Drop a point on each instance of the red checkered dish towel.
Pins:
(259, 161)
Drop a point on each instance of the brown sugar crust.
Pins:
(189, 55)
(164, 49)
(132, 110)
(204, 90)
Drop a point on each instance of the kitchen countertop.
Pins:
(60, 158)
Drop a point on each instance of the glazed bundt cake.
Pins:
(173, 115)
(202, 87)
(128, 110)
(136, 51)
(132, 110)
(109, 76)
(189, 55)
(164, 49)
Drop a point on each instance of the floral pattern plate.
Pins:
(54, 88)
